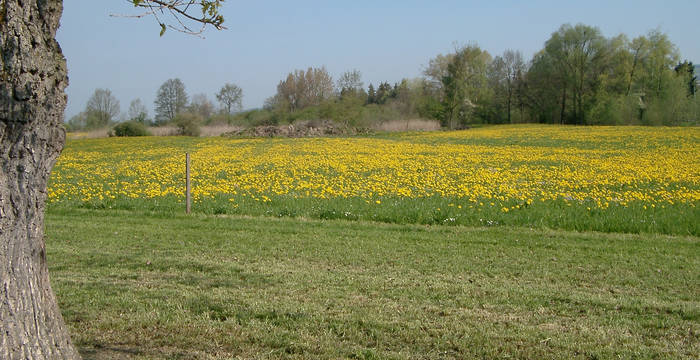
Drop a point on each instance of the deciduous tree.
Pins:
(231, 98)
(32, 103)
(102, 108)
(304, 88)
(686, 71)
(465, 84)
(138, 112)
(505, 72)
(201, 106)
(350, 81)
(436, 71)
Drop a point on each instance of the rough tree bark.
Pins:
(32, 101)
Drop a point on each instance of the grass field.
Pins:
(523, 242)
(610, 179)
(136, 285)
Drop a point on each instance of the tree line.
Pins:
(579, 77)
(172, 106)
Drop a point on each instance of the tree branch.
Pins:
(181, 9)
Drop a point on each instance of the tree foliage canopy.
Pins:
(304, 88)
(231, 98)
(171, 99)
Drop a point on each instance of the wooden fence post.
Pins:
(188, 194)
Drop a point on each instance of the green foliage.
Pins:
(352, 107)
(577, 60)
(348, 110)
(75, 123)
(611, 110)
(464, 86)
(579, 77)
(673, 107)
(231, 98)
(130, 128)
(686, 71)
(141, 118)
(378, 114)
(221, 118)
(371, 95)
(383, 93)
(505, 77)
(429, 107)
(188, 124)
(87, 120)
(255, 117)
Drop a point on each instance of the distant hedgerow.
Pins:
(130, 128)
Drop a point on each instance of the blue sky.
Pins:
(385, 40)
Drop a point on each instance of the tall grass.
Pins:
(679, 219)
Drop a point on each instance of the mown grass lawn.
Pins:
(139, 285)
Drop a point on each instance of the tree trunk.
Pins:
(32, 102)
(510, 96)
(563, 107)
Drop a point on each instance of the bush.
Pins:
(188, 124)
(130, 128)
(221, 119)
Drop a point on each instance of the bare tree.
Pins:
(231, 98)
(32, 103)
(505, 72)
(201, 106)
(171, 100)
(350, 81)
(301, 89)
(138, 111)
(102, 108)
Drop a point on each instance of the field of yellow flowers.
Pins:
(627, 179)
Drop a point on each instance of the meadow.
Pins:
(522, 242)
(609, 179)
(139, 285)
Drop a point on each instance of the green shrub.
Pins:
(221, 119)
(188, 124)
(130, 128)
